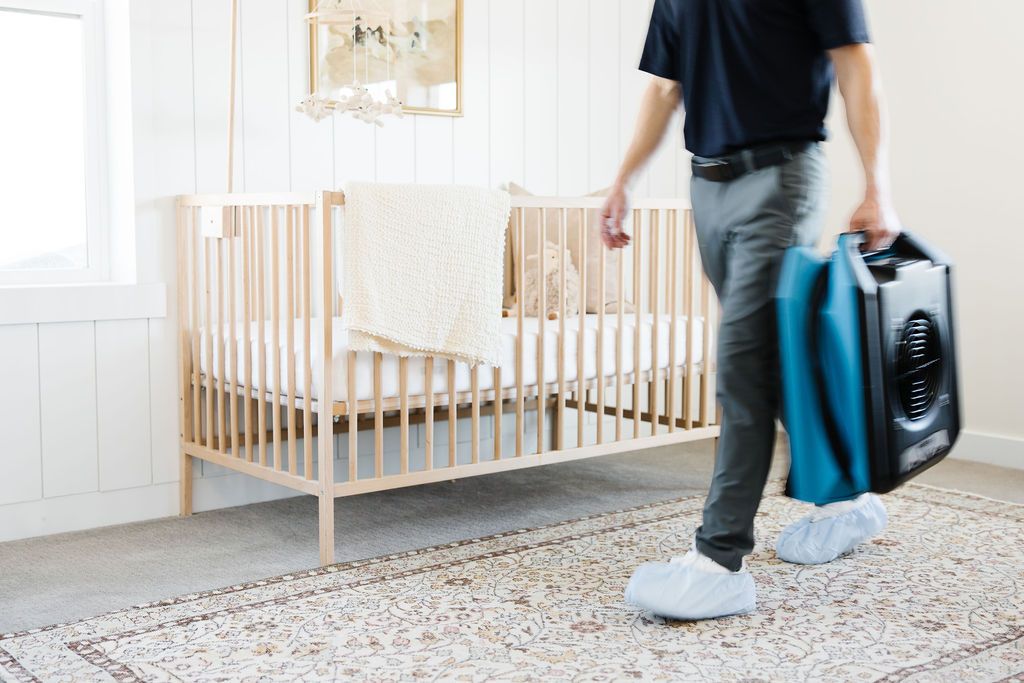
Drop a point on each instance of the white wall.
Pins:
(952, 74)
(90, 408)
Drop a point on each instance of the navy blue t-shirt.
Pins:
(752, 71)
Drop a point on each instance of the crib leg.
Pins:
(556, 428)
(326, 528)
(185, 487)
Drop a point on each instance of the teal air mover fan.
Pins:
(869, 372)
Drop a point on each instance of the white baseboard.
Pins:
(990, 449)
(98, 509)
(87, 511)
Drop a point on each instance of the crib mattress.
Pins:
(439, 380)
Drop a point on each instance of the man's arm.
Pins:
(659, 103)
(861, 88)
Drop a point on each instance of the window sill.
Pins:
(78, 302)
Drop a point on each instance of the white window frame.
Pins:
(90, 13)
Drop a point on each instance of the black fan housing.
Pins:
(912, 384)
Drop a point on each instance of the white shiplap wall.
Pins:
(89, 409)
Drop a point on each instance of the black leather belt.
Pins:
(732, 166)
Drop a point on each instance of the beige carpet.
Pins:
(939, 596)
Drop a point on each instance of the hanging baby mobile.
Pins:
(366, 31)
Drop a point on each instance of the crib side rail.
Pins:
(258, 296)
(251, 304)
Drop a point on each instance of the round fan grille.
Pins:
(918, 365)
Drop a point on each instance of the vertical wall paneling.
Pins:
(122, 403)
(396, 150)
(19, 414)
(506, 91)
(210, 61)
(471, 134)
(67, 388)
(540, 97)
(168, 85)
(573, 101)
(355, 150)
(163, 397)
(166, 166)
(434, 149)
(603, 104)
(263, 36)
(311, 142)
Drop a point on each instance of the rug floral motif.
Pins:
(939, 596)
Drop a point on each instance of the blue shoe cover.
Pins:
(823, 535)
(679, 591)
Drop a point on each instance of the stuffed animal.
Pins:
(552, 283)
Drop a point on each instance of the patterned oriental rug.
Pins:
(938, 597)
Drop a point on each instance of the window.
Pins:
(52, 169)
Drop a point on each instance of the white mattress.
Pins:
(389, 368)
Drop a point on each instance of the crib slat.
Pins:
(403, 392)
(600, 343)
(247, 329)
(563, 230)
(453, 416)
(652, 386)
(428, 422)
(353, 418)
(619, 309)
(378, 418)
(307, 339)
(705, 384)
(542, 314)
(519, 232)
(497, 413)
(297, 241)
(222, 350)
(673, 257)
(197, 420)
(637, 305)
(208, 340)
(261, 325)
(581, 331)
(275, 318)
(254, 275)
(475, 413)
(233, 325)
(293, 465)
(690, 274)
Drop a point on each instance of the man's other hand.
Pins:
(612, 215)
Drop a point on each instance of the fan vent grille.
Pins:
(918, 365)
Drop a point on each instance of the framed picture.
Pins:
(412, 48)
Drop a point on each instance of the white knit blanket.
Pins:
(423, 269)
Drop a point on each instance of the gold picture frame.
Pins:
(409, 107)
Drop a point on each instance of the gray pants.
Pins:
(743, 228)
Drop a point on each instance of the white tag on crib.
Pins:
(214, 221)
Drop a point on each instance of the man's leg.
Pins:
(743, 227)
(743, 250)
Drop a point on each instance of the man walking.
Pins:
(754, 77)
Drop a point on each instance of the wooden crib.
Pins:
(264, 366)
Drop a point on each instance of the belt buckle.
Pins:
(715, 171)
